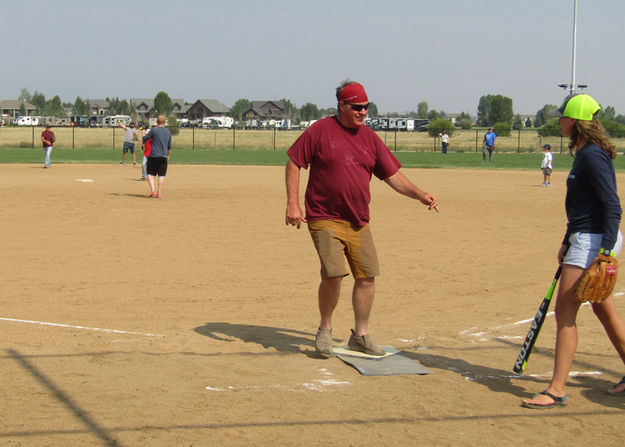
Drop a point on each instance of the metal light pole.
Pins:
(572, 84)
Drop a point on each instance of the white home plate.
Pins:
(84, 180)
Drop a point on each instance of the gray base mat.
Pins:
(392, 364)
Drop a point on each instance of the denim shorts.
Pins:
(585, 247)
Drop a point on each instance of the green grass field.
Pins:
(464, 160)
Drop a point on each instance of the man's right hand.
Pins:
(294, 215)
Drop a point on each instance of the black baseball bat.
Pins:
(537, 323)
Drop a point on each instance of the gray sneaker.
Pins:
(323, 342)
(363, 343)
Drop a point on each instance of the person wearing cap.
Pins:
(547, 165)
(488, 144)
(594, 213)
(47, 139)
(130, 136)
(342, 155)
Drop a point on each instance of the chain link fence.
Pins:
(524, 141)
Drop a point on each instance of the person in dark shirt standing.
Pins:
(47, 139)
(160, 139)
(594, 213)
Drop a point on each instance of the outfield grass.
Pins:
(526, 141)
(464, 160)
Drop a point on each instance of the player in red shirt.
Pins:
(343, 155)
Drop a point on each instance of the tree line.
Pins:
(494, 111)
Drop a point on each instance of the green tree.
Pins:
(609, 113)
(117, 107)
(541, 115)
(162, 103)
(517, 123)
(614, 129)
(464, 121)
(24, 96)
(493, 109)
(528, 122)
(81, 107)
(239, 108)
(373, 110)
(422, 110)
(39, 101)
(53, 107)
(309, 111)
(502, 128)
(438, 125)
(433, 114)
(550, 129)
(173, 125)
(289, 111)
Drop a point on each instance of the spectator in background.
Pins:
(47, 139)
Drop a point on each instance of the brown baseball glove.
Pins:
(598, 281)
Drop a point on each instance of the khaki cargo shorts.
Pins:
(336, 240)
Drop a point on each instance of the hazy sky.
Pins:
(446, 52)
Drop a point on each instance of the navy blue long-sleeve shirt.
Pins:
(592, 203)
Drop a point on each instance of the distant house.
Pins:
(264, 110)
(99, 106)
(144, 108)
(205, 108)
(10, 109)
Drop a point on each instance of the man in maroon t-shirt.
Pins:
(47, 141)
(343, 155)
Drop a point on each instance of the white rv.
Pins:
(218, 121)
(26, 121)
(112, 121)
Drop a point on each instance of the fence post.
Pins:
(274, 138)
(518, 148)
(395, 140)
(73, 129)
(233, 137)
(113, 137)
(193, 138)
(33, 137)
(476, 137)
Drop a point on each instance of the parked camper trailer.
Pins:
(26, 121)
(218, 121)
(113, 120)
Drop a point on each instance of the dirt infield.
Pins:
(189, 320)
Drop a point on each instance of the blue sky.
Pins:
(446, 52)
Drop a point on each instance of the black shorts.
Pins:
(157, 166)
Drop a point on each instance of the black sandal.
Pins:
(622, 393)
(557, 402)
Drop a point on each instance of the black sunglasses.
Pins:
(358, 107)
